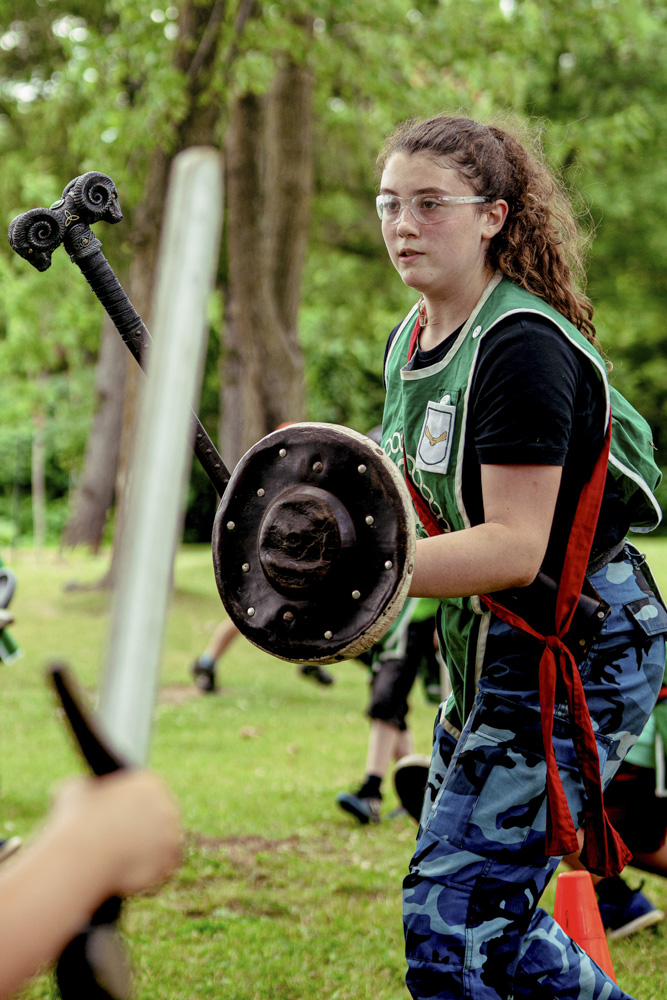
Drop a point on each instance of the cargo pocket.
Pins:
(648, 614)
(493, 802)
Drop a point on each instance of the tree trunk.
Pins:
(269, 168)
(199, 28)
(93, 496)
(289, 182)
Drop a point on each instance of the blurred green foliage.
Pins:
(88, 85)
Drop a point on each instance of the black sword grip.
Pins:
(96, 750)
(98, 273)
(94, 965)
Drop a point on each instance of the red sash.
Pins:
(603, 853)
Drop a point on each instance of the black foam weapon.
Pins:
(37, 234)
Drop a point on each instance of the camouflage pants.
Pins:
(472, 925)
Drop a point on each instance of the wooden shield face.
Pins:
(313, 543)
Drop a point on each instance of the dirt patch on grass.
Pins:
(243, 857)
(179, 694)
(239, 849)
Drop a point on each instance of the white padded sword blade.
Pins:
(162, 457)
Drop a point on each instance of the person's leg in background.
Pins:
(203, 669)
(389, 738)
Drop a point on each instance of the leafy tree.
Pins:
(118, 88)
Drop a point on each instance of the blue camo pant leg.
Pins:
(472, 924)
(444, 746)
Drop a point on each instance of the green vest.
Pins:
(426, 413)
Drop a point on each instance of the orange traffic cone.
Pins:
(577, 912)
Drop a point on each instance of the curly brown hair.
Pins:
(541, 246)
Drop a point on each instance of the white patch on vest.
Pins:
(435, 441)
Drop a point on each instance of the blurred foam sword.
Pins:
(94, 965)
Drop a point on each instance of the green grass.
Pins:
(280, 895)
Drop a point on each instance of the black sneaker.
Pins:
(620, 919)
(364, 809)
(204, 676)
(316, 673)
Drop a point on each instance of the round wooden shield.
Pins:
(313, 543)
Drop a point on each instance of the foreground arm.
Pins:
(105, 836)
(506, 550)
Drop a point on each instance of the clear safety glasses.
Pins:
(424, 208)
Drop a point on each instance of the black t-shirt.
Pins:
(535, 401)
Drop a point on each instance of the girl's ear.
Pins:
(495, 218)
